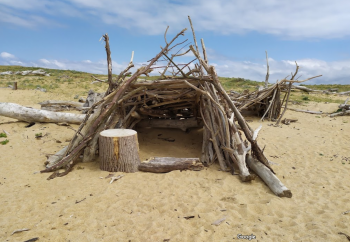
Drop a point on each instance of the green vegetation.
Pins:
(240, 84)
(3, 135)
(300, 97)
(59, 81)
(4, 142)
(38, 135)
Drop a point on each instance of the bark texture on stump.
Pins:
(119, 150)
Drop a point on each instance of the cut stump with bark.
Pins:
(119, 150)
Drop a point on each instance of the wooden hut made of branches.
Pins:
(188, 97)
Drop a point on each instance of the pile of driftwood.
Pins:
(189, 97)
(266, 101)
(344, 109)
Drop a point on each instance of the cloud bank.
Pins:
(289, 19)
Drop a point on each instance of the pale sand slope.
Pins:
(152, 207)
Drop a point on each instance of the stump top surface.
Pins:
(118, 132)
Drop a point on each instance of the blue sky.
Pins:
(65, 34)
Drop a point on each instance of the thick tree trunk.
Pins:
(268, 177)
(167, 164)
(12, 110)
(119, 150)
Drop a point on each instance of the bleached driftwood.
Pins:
(343, 113)
(167, 164)
(54, 105)
(345, 105)
(268, 177)
(13, 110)
(306, 111)
(344, 93)
(305, 89)
(93, 97)
(183, 124)
(53, 159)
(345, 109)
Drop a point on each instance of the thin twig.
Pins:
(165, 34)
(184, 75)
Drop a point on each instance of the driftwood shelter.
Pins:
(191, 96)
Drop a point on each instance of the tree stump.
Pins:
(119, 150)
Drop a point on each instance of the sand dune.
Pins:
(312, 159)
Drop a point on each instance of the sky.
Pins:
(66, 35)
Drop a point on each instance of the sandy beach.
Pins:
(311, 156)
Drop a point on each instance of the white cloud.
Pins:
(288, 19)
(6, 55)
(44, 61)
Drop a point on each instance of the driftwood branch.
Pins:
(109, 60)
(306, 111)
(267, 72)
(285, 107)
(270, 179)
(12, 110)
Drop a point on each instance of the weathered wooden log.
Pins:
(305, 89)
(56, 105)
(345, 105)
(344, 113)
(344, 93)
(13, 110)
(119, 150)
(306, 111)
(183, 124)
(93, 97)
(167, 164)
(53, 159)
(268, 177)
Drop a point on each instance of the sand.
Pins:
(312, 159)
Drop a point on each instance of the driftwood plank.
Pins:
(167, 164)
